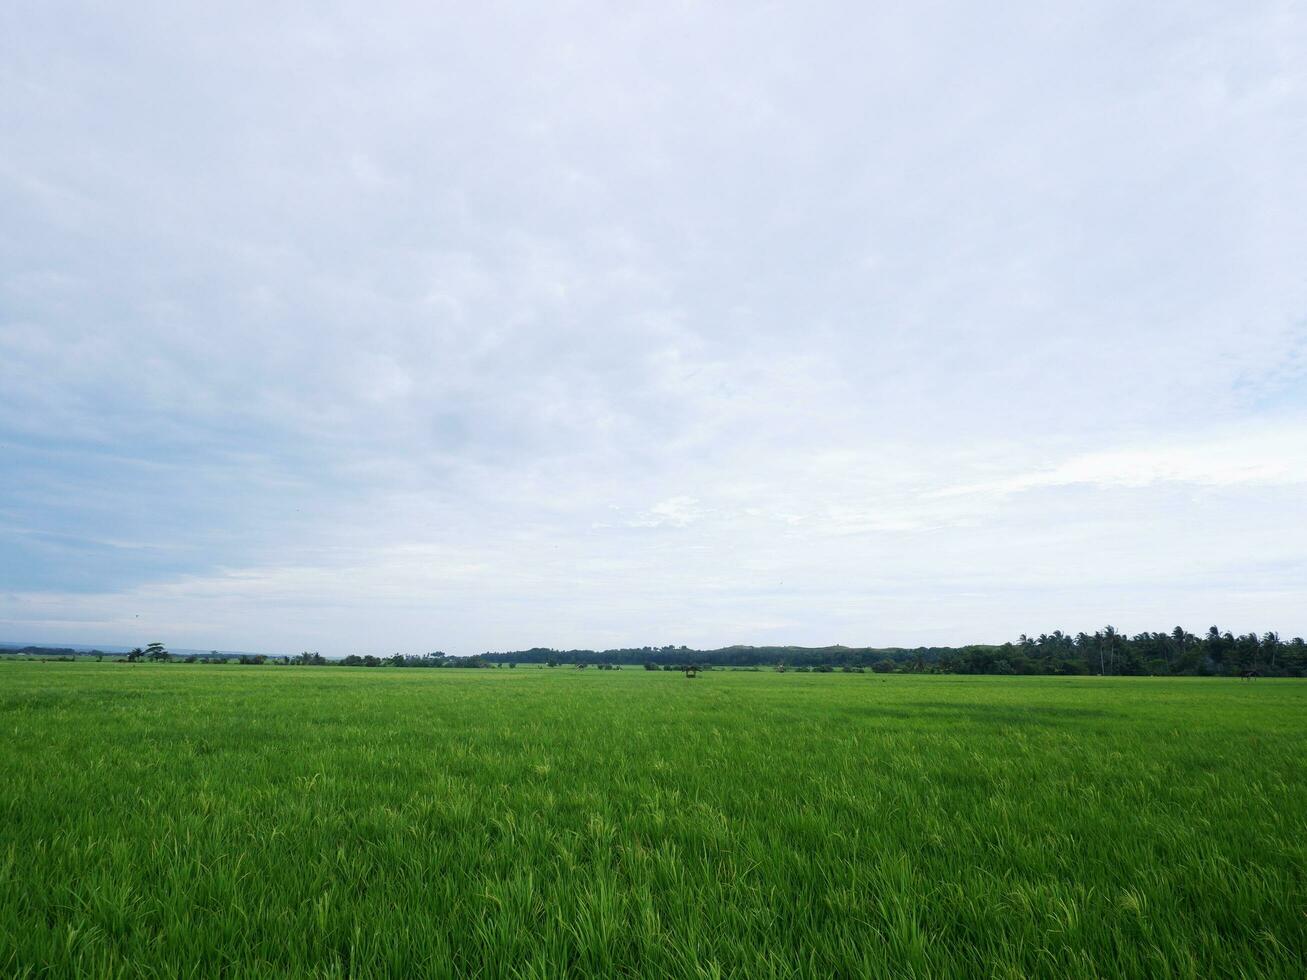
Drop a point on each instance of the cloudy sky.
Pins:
(365, 328)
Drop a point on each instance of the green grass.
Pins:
(179, 821)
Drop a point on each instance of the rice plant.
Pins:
(157, 821)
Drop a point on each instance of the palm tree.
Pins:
(1180, 638)
(1271, 641)
(1107, 636)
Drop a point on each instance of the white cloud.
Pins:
(1250, 455)
(679, 511)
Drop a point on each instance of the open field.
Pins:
(190, 820)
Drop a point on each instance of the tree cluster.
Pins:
(1107, 651)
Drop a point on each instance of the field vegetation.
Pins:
(247, 821)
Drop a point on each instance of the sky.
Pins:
(410, 327)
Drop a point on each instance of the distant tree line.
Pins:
(51, 653)
(1107, 651)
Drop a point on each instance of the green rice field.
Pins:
(200, 821)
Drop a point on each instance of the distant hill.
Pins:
(103, 649)
(64, 649)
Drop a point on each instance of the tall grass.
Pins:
(197, 821)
